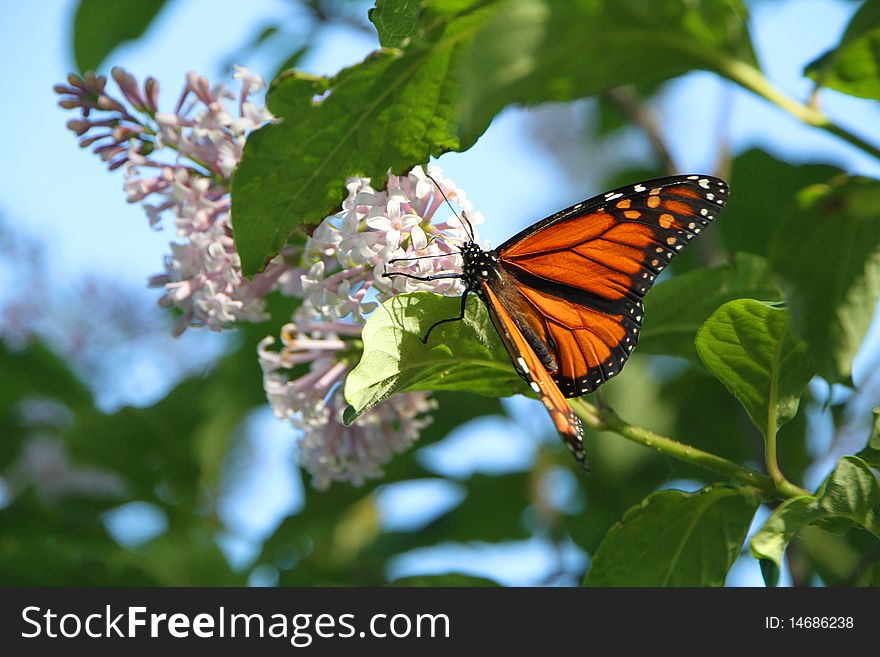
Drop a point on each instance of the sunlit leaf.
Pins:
(676, 539)
(395, 20)
(853, 67)
(749, 346)
(466, 355)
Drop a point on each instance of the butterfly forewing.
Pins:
(583, 272)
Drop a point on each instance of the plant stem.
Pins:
(770, 459)
(770, 451)
(207, 173)
(605, 419)
(752, 79)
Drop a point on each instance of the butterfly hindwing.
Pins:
(530, 366)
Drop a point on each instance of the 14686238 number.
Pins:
(821, 622)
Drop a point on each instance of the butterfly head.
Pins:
(479, 265)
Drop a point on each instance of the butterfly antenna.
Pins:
(470, 228)
(438, 238)
(434, 238)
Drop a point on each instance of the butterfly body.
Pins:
(565, 294)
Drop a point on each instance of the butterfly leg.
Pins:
(425, 257)
(451, 319)
(435, 277)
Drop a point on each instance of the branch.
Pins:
(754, 80)
(628, 102)
(709, 249)
(605, 419)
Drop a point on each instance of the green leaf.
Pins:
(826, 254)
(100, 26)
(749, 346)
(851, 493)
(770, 573)
(533, 51)
(764, 189)
(395, 20)
(400, 107)
(34, 374)
(62, 543)
(871, 453)
(676, 539)
(840, 560)
(466, 355)
(675, 309)
(189, 557)
(291, 60)
(394, 110)
(447, 579)
(708, 418)
(36, 371)
(853, 67)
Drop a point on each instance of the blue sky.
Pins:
(62, 195)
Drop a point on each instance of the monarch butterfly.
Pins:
(565, 294)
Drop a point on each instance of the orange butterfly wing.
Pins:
(579, 275)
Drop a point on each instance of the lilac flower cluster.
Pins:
(336, 273)
(202, 273)
(340, 284)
